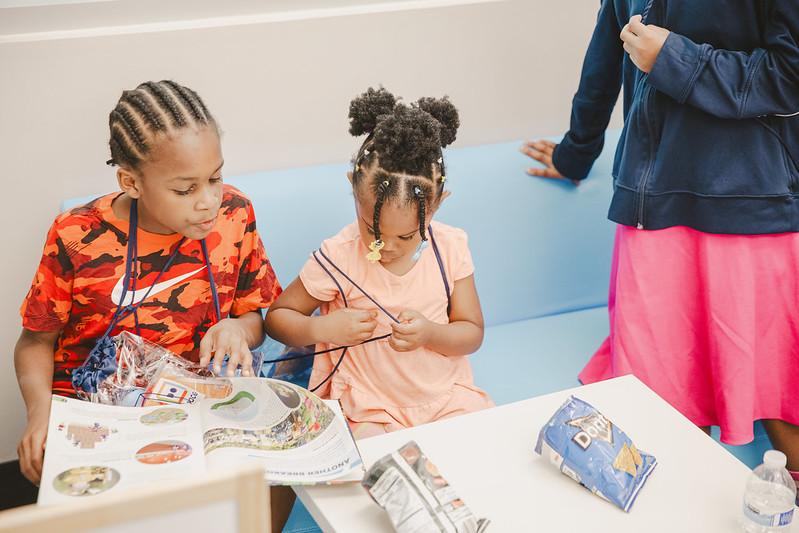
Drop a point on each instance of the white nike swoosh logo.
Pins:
(140, 292)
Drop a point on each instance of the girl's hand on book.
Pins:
(412, 332)
(227, 337)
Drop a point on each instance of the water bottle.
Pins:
(769, 497)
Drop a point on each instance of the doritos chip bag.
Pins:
(594, 452)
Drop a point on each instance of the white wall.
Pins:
(280, 91)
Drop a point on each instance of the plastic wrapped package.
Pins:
(594, 452)
(149, 374)
(416, 497)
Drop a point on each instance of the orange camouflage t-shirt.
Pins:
(79, 280)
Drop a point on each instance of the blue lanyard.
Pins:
(101, 361)
(129, 279)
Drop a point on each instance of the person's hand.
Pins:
(31, 447)
(227, 337)
(542, 152)
(346, 327)
(643, 42)
(413, 331)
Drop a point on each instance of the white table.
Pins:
(488, 458)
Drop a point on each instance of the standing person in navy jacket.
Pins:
(704, 295)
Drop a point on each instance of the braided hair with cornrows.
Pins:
(402, 158)
(150, 109)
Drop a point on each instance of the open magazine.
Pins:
(295, 436)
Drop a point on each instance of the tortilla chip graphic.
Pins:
(626, 460)
(636, 456)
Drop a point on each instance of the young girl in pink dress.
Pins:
(407, 312)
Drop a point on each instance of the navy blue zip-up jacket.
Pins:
(711, 135)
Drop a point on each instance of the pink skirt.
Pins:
(709, 322)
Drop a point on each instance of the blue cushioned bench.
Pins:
(541, 251)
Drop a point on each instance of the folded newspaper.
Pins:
(416, 496)
(297, 437)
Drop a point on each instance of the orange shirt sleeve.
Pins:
(257, 285)
(49, 301)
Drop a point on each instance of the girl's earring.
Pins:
(374, 253)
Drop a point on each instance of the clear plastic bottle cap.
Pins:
(775, 459)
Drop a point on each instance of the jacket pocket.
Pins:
(709, 156)
(781, 129)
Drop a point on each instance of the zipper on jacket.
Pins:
(650, 166)
(645, 12)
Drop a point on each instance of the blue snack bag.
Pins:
(594, 452)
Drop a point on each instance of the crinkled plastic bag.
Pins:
(149, 374)
(138, 360)
(594, 452)
(417, 498)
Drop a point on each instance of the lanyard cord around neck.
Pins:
(294, 355)
(102, 359)
(131, 275)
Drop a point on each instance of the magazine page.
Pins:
(94, 449)
(293, 434)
